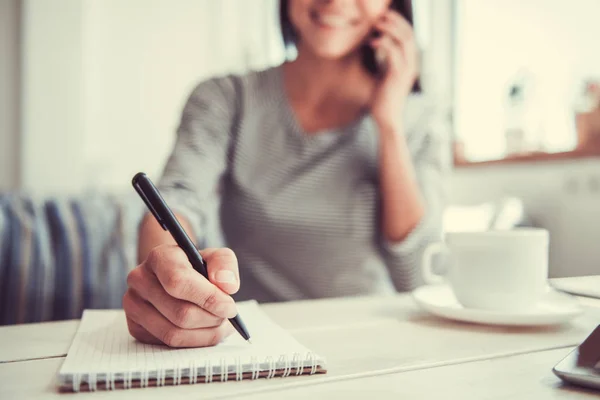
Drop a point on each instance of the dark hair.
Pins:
(404, 7)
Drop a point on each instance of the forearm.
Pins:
(151, 234)
(402, 203)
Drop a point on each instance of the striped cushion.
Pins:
(60, 256)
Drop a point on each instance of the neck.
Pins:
(316, 80)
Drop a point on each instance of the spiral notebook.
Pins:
(103, 355)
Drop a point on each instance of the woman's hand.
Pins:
(397, 43)
(168, 302)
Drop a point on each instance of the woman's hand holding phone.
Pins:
(397, 49)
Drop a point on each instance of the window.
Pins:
(521, 69)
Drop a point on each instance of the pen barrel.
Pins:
(168, 221)
(197, 262)
(239, 326)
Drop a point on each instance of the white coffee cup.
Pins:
(493, 270)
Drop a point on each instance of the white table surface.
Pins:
(582, 286)
(381, 344)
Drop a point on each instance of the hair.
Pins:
(404, 7)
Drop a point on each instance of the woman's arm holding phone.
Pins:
(403, 206)
(411, 178)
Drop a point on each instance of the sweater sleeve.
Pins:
(428, 138)
(198, 160)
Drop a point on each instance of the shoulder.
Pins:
(426, 114)
(428, 130)
(232, 87)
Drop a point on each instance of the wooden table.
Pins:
(382, 346)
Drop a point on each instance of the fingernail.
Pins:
(231, 311)
(225, 310)
(225, 276)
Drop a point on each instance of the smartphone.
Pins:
(582, 365)
(373, 63)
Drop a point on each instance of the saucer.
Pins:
(554, 308)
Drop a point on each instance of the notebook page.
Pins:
(103, 345)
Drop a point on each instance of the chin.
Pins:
(331, 52)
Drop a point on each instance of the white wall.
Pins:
(553, 42)
(138, 75)
(9, 93)
(562, 196)
(52, 96)
(104, 81)
(102, 76)
(555, 39)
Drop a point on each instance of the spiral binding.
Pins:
(271, 370)
(300, 366)
(254, 367)
(93, 381)
(145, 378)
(313, 361)
(286, 369)
(239, 370)
(223, 370)
(296, 361)
(193, 374)
(129, 380)
(160, 377)
(109, 381)
(76, 382)
(208, 372)
(270, 367)
(177, 375)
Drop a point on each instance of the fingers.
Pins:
(175, 274)
(397, 42)
(397, 28)
(179, 312)
(149, 325)
(138, 332)
(223, 269)
(168, 302)
(400, 24)
(389, 46)
(389, 29)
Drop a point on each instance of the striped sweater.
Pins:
(302, 212)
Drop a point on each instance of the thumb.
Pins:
(222, 269)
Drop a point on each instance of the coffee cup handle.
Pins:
(429, 276)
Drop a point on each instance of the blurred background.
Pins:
(91, 92)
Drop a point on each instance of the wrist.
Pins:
(390, 129)
(392, 143)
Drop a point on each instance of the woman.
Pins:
(329, 172)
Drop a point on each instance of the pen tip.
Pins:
(249, 341)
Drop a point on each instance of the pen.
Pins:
(167, 220)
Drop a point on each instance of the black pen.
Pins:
(167, 220)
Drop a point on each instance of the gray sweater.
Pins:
(302, 212)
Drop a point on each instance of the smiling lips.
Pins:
(331, 20)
